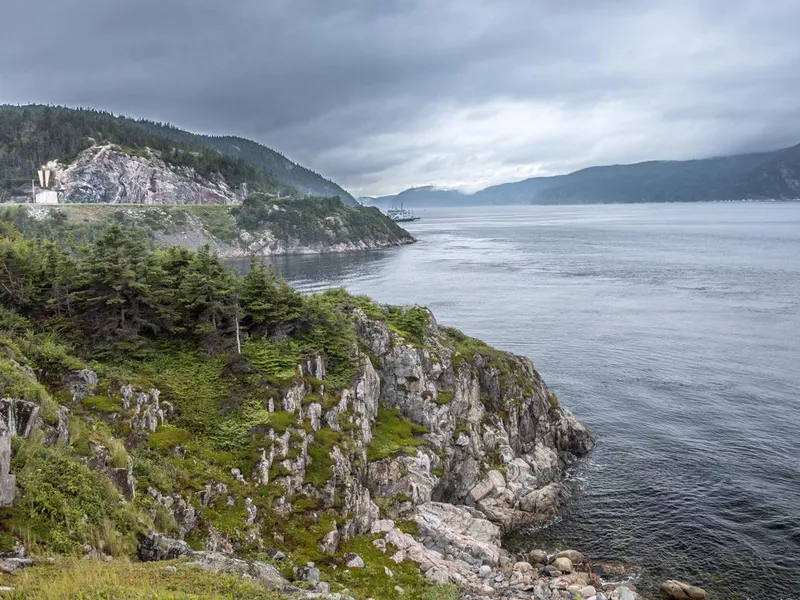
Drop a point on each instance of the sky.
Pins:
(382, 95)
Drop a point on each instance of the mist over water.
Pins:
(673, 331)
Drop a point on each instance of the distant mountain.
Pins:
(420, 197)
(757, 176)
(34, 135)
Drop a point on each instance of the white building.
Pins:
(46, 197)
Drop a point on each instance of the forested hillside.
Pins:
(33, 135)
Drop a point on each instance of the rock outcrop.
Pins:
(107, 174)
(8, 482)
(432, 428)
(496, 439)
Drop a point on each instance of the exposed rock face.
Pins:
(8, 483)
(20, 416)
(106, 174)
(460, 532)
(500, 443)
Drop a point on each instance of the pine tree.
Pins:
(266, 299)
(207, 294)
(116, 293)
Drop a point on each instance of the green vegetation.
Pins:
(410, 323)
(72, 579)
(392, 435)
(313, 221)
(443, 398)
(33, 135)
(372, 582)
(170, 319)
(63, 505)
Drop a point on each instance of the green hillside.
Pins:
(32, 135)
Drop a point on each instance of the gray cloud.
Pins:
(384, 95)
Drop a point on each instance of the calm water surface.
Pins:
(673, 331)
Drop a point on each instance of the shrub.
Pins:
(392, 435)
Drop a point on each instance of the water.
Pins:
(673, 331)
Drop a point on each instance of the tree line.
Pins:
(117, 296)
(32, 135)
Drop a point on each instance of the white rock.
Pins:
(354, 561)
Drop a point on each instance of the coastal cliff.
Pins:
(259, 226)
(321, 442)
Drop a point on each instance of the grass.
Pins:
(71, 579)
(392, 435)
(466, 348)
(319, 471)
(373, 582)
(102, 404)
(63, 505)
(410, 323)
(443, 398)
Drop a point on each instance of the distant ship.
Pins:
(401, 215)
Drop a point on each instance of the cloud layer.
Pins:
(381, 96)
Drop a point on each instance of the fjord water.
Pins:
(673, 331)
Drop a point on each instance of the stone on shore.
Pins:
(677, 590)
(563, 564)
(574, 556)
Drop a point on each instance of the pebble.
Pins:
(484, 571)
(170, 569)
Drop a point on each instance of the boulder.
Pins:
(537, 557)
(261, 572)
(563, 564)
(20, 416)
(330, 542)
(438, 576)
(677, 590)
(459, 531)
(623, 592)
(124, 482)
(573, 555)
(156, 546)
(353, 561)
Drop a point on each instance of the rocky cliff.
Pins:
(107, 174)
(434, 447)
(284, 226)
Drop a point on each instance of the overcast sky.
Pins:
(381, 95)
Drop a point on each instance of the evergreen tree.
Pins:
(266, 299)
(206, 292)
(116, 293)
